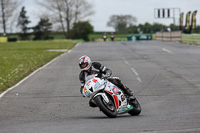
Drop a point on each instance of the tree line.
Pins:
(67, 16)
(127, 24)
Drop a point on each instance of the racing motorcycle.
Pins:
(108, 97)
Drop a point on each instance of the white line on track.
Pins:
(176, 131)
(166, 50)
(20, 82)
(133, 70)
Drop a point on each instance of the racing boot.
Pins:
(129, 93)
(116, 81)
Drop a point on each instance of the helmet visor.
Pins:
(83, 65)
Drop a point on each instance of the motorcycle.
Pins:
(108, 97)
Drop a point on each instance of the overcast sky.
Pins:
(143, 10)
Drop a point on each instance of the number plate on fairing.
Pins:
(124, 109)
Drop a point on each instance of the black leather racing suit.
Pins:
(100, 69)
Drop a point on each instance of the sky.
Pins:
(143, 10)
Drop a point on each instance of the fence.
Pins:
(168, 36)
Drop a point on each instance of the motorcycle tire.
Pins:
(136, 108)
(109, 110)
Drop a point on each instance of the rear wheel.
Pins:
(136, 108)
(108, 109)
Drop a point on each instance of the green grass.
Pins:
(97, 36)
(17, 60)
(191, 38)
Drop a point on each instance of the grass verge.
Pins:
(191, 38)
(17, 60)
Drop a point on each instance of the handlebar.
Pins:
(105, 77)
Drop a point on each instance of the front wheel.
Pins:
(108, 109)
(136, 108)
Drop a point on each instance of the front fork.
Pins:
(104, 96)
(106, 99)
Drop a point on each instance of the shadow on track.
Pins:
(105, 117)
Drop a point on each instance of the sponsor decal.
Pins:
(86, 92)
(115, 90)
(123, 109)
(96, 85)
(85, 89)
(88, 83)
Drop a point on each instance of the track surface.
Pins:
(164, 76)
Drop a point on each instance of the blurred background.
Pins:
(90, 20)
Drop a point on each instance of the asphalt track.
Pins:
(164, 76)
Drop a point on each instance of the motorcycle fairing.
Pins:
(95, 84)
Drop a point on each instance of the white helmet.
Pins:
(85, 63)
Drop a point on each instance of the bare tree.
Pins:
(121, 22)
(67, 12)
(82, 10)
(7, 7)
(13, 22)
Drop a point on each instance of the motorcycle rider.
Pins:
(104, 37)
(112, 37)
(86, 66)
